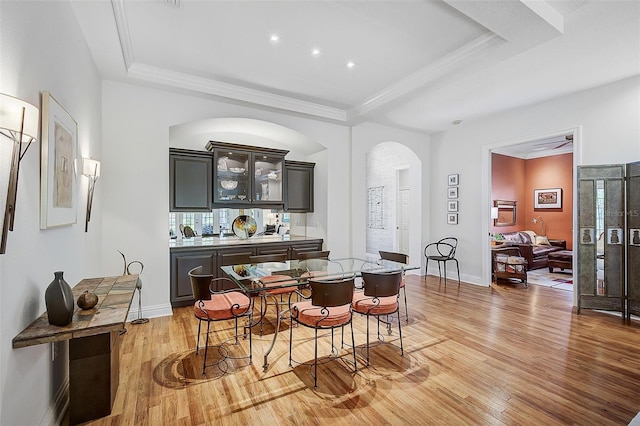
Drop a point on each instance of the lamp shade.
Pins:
(91, 168)
(494, 212)
(11, 117)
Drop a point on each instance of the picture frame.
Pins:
(58, 158)
(452, 192)
(452, 206)
(587, 236)
(452, 218)
(453, 179)
(547, 198)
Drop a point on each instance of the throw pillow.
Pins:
(542, 241)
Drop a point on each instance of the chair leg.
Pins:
(353, 346)
(198, 339)
(406, 307)
(440, 272)
(290, 340)
(367, 340)
(206, 349)
(400, 332)
(458, 268)
(445, 273)
(315, 362)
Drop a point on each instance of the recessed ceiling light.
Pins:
(274, 37)
(351, 64)
(456, 122)
(315, 52)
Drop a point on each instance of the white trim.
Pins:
(120, 15)
(156, 311)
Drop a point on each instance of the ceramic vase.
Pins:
(59, 301)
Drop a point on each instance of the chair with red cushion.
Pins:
(379, 298)
(328, 308)
(212, 305)
(400, 258)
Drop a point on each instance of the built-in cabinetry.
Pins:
(190, 180)
(298, 178)
(213, 257)
(246, 175)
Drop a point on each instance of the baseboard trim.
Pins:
(58, 409)
(156, 311)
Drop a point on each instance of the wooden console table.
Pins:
(93, 344)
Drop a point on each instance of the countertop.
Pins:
(235, 241)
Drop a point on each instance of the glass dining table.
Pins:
(252, 278)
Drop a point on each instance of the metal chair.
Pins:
(400, 258)
(379, 298)
(329, 307)
(442, 251)
(213, 305)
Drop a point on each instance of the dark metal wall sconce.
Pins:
(91, 169)
(19, 123)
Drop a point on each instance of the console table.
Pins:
(93, 344)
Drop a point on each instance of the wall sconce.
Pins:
(539, 219)
(91, 169)
(19, 123)
(494, 213)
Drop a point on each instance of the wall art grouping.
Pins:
(452, 199)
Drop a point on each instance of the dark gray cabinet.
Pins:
(190, 180)
(298, 181)
(211, 258)
(247, 175)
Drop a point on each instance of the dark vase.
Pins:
(59, 301)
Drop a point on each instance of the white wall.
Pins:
(366, 136)
(608, 118)
(43, 49)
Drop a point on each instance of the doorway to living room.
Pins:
(535, 179)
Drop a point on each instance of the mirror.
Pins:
(506, 213)
(600, 235)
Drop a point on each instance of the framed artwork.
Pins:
(452, 206)
(614, 236)
(587, 236)
(547, 198)
(452, 192)
(452, 218)
(634, 237)
(453, 179)
(58, 154)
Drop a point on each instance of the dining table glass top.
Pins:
(253, 277)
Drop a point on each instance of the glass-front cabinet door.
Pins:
(232, 183)
(267, 178)
(247, 175)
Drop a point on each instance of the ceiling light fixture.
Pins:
(456, 122)
(274, 38)
(351, 64)
(315, 52)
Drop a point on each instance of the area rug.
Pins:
(559, 280)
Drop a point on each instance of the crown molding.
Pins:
(120, 15)
(226, 90)
(426, 75)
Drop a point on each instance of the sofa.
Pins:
(534, 248)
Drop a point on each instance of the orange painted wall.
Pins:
(516, 179)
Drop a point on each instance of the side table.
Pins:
(510, 267)
(93, 344)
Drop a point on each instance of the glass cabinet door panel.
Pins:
(232, 176)
(267, 186)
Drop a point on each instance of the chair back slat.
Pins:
(381, 284)
(332, 293)
(447, 247)
(263, 258)
(394, 257)
(200, 284)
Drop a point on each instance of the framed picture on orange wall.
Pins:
(547, 198)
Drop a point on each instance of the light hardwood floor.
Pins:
(503, 355)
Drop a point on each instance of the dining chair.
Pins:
(276, 281)
(400, 258)
(213, 305)
(328, 308)
(442, 251)
(379, 298)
